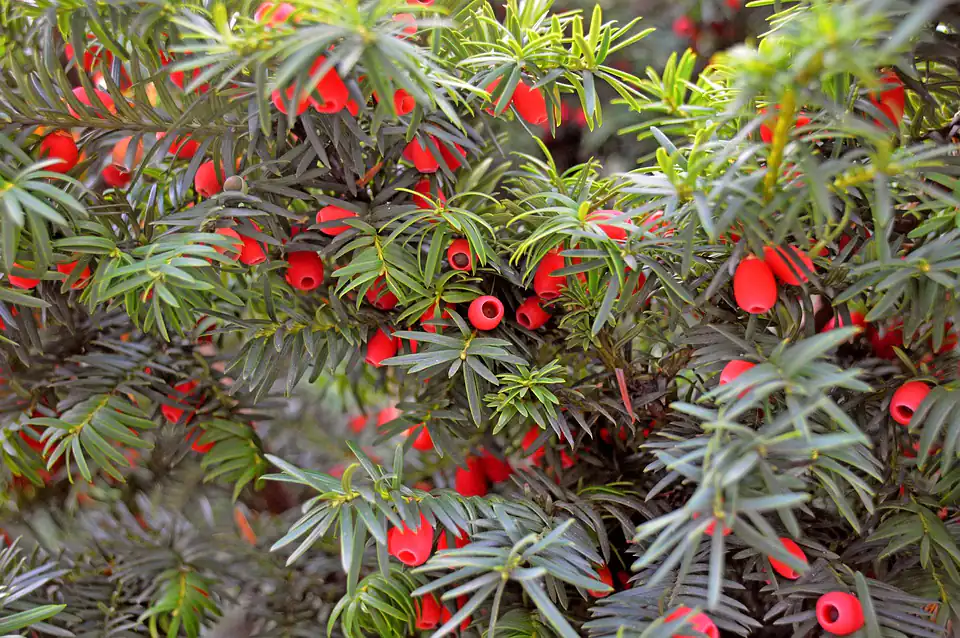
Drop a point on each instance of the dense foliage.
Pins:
(295, 340)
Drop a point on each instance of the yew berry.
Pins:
(495, 469)
(411, 547)
(530, 104)
(734, 369)
(711, 528)
(536, 456)
(206, 182)
(459, 542)
(605, 577)
(252, 252)
(428, 612)
(856, 319)
(403, 102)
(883, 344)
(333, 213)
(425, 191)
(785, 264)
(685, 27)
(409, 23)
(453, 159)
(101, 100)
(486, 312)
(782, 568)
(116, 176)
(359, 423)
(613, 231)
(236, 246)
(422, 3)
(388, 414)
(892, 101)
(380, 296)
(61, 146)
(471, 481)
(121, 151)
(770, 123)
(495, 107)
(181, 148)
(25, 283)
(91, 54)
(545, 283)
(173, 413)
(423, 442)
(459, 256)
(840, 613)
(381, 346)
(68, 268)
(699, 623)
(195, 443)
(281, 99)
(531, 315)
(754, 287)
(352, 107)
(333, 93)
(906, 401)
(304, 270)
(429, 315)
(273, 14)
(421, 157)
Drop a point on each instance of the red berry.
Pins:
(173, 413)
(495, 469)
(770, 123)
(685, 27)
(605, 577)
(205, 182)
(545, 283)
(388, 414)
(333, 213)
(486, 312)
(235, 247)
(91, 54)
(471, 481)
(530, 104)
(120, 152)
(536, 456)
(754, 287)
(422, 3)
(352, 107)
(429, 315)
(906, 401)
(423, 187)
(304, 270)
(181, 148)
(453, 159)
(883, 344)
(116, 176)
(423, 442)
(409, 23)
(22, 282)
(782, 568)
(785, 264)
(403, 102)
(59, 145)
(281, 99)
(856, 319)
(459, 256)
(421, 157)
(101, 100)
(711, 528)
(273, 14)
(613, 231)
(428, 612)
(700, 623)
(531, 315)
(381, 346)
(331, 89)
(411, 547)
(379, 296)
(493, 108)
(68, 268)
(892, 101)
(252, 252)
(196, 445)
(358, 423)
(734, 369)
(840, 613)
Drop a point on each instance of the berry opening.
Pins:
(490, 310)
(832, 613)
(904, 411)
(306, 281)
(549, 294)
(524, 319)
(461, 261)
(407, 556)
